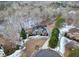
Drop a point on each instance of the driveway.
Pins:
(47, 53)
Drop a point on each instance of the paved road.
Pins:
(47, 53)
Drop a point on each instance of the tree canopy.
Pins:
(54, 38)
(23, 34)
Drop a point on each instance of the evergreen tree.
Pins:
(23, 34)
(54, 38)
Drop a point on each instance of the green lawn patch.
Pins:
(74, 52)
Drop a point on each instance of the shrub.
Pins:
(66, 35)
(54, 38)
(9, 49)
(17, 47)
(23, 34)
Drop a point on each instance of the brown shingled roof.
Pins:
(74, 30)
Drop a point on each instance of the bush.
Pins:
(9, 49)
(54, 38)
(23, 34)
(66, 35)
(17, 47)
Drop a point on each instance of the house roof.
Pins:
(73, 30)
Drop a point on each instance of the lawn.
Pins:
(74, 52)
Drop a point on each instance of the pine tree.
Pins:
(23, 34)
(54, 38)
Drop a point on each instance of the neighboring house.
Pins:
(69, 47)
(37, 30)
(43, 29)
(74, 34)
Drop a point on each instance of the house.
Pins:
(37, 30)
(71, 49)
(74, 34)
